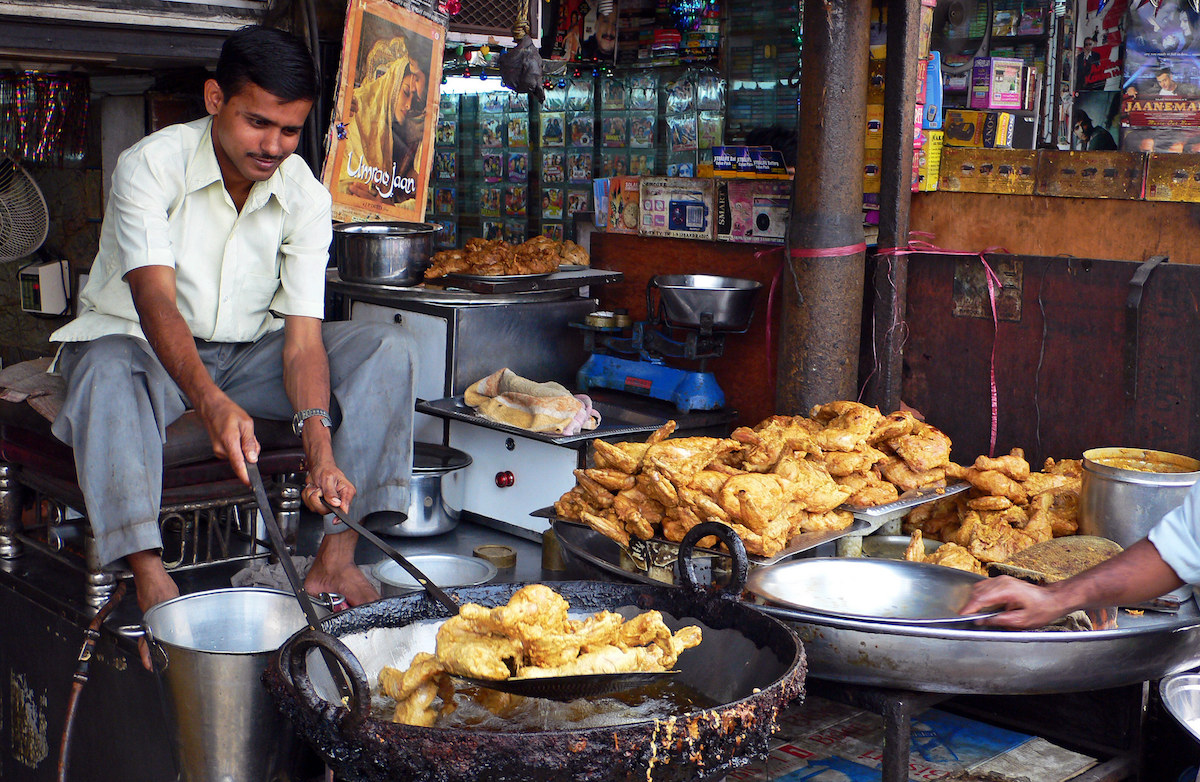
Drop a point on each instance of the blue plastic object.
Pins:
(687, 390)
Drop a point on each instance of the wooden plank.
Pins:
(1173, 177)
(1090, 174)
(1009, 171)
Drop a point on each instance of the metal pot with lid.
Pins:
(391, 253)
(436, 492)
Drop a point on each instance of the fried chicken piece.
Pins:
(685, 456)
(611, 528)
(766, 443)
(955, 556)
(677, 521)
(1063, 510)
(1072, 468)
(613, 480)
(850, 429)
(1013, 465)
(661, 433)
(704, 506)
(752, 499)
(765, 543)
(633, 503)
(989, 536)
(1039, 482)
(464, 651)
(925, 448)
(873, 493)
(915, 552)
(841, 463)
(593, 491)
(996, 482)
(573, 504)
(826, 413)
(989, 502)
(896, 471)
(893, 425)
(827, 521)
(657, 486)
(938, 520)
(709, 482)
(626, 457)
(809, 483)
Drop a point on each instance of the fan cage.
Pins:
(24, 219)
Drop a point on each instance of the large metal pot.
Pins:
(391, 253)
(750, 664)
(436, 492)
(1127, 490)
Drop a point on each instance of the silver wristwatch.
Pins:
(313, 412)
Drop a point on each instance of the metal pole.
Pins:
(822, 297)
(895, 198)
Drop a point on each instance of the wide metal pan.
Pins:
(751, 665)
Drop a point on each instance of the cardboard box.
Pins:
(925, 31)
(997, 83)
(873, 138)
(989, 129)
(752, 210)
(872, 170)
(769, 163)
(678, 207)
(932, 113)
(623, 201)
(929, 161)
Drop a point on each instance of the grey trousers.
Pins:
(120, 401)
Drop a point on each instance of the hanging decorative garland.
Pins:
(689, 13)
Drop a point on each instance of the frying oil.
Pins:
(512, 714)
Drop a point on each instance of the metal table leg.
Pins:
(897, 707)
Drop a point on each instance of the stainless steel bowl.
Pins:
(688, 298)
(893, 546)
(879, 590)
(436, 492)
(1123, 504)
(392, 253)
(445, 570)
(1181, 695)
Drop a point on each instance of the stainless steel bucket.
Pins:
(1127, 490)
(392, 253)
(212, 648)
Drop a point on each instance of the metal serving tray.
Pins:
(878, 514)
(615, 421)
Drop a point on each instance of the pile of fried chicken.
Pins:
(1008, 509)
(785, 476)
(530, 637)
(494, 257)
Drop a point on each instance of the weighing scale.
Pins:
(703, 308)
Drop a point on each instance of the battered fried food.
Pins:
(531, 636)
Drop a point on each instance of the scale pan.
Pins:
(687, 298)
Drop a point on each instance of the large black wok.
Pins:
(752, 665)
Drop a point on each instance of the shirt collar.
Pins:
(203, 170)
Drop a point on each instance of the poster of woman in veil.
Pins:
(381, 142)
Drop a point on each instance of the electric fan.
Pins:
(954, 37)
(24, 218)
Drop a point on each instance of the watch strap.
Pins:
(313, 412)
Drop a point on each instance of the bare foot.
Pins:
(334, 571)
(153, 586)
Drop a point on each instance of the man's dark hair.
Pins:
(1083, 120)
(1162, 71)
(1088, 40)
(273, 60)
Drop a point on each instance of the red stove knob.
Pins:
(505, 479)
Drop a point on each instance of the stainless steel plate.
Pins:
(877, 590)
(445, 570)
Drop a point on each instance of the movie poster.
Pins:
(586, 30)
(1099, 32)
(380, 150)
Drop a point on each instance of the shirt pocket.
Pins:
(256, 294)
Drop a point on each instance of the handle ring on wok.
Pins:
(737, 549)
(358, 706)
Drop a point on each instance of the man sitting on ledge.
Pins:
(208, 292)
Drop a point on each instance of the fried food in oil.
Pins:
(531, 636)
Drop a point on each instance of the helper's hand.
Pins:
(327, 486)
(232, 433)
(1025, 606)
